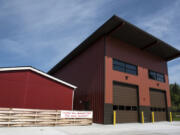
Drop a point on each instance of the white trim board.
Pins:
(39, 72)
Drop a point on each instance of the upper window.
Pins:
(124, 67)
(156, 76)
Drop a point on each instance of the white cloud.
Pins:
(47, 30)
(38, 15)
(44, 31)
(12, 46)
(174, 73)
(163, 24)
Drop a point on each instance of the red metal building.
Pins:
(27, 87)
(120, 67)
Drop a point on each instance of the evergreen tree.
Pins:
(175, 96)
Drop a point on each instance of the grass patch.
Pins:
(176, 119)
(176, 116)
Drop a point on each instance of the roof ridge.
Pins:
(37, 71)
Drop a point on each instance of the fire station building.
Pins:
(120, 67)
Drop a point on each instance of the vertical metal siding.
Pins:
(26, 89)
(86, 71)
(12, 87)
(45, 93)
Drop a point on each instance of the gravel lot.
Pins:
(159, 128)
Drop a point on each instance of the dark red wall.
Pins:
(27, 89)
(86, 71)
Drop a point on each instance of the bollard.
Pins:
(142, 117)
(114, 121)
(170, 116)
(152, 117)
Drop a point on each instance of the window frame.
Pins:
(124, 68)
(156, 76)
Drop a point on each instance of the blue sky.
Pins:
(41, 32)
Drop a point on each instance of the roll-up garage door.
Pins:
(158, 104)
(125, 102)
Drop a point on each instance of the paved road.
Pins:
(160, 128)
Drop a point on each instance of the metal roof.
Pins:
(39, 72)
(129, 33)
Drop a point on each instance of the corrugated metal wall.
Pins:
(26, 89)
(86, 71)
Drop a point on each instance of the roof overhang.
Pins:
(39, 72)
(123, 30)
(134, 36)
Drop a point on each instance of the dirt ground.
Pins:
(159, 128)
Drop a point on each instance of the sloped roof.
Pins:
(39, 72)
(123, 30)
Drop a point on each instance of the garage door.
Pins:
(158, 104)
(125, 102)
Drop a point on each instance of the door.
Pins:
(158, 104)
(125, 102)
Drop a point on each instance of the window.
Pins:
(124, 108)
(134, 108)
(160, 77)
(128, 108)
(124, 67)
(152, 75)
(156, 76)
(121, 107)
(115, 107)
(154, 109)
(158, 109)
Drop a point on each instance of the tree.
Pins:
(175, 96)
